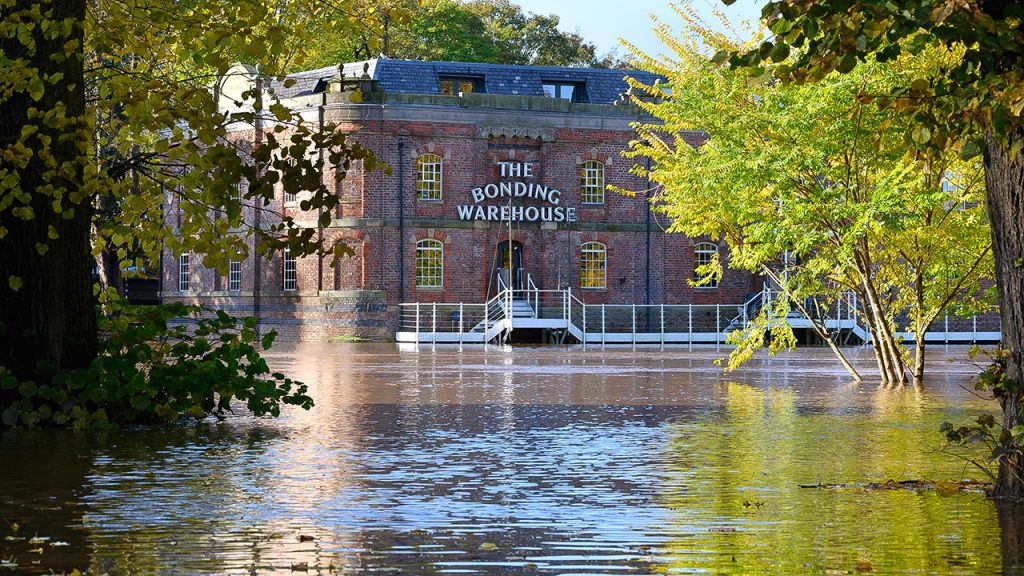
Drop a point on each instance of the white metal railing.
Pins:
(629, 323)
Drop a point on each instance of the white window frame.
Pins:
(289, 271)
(704, 254)
(429, 186)
(185, 272)
(234, 275)
(592, 194)
(430, 245)
(559, 90)
(288, 198)
(590, 248)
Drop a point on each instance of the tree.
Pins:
(490, 31)
(973, 106)
(812, 188)
(93, 92)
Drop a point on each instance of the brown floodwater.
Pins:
(522, 461)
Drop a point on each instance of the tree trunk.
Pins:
(109, 268)
(1011, 535)
(887, 349)
(1004, 182)
(919, 347)
(48, 323)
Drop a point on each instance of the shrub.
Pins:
(153, 366)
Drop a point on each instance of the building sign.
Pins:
(548, 210)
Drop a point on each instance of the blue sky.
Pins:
(604, 21)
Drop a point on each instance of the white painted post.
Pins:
(417, 323)
(487, 322)
(584, 326)
(603, 333)
(663, 326)
(433, 324)
(689, 325)
(945, 329)
(460, 325)
(568, 308)
(718, 326)
(633, 307)
(974, 330)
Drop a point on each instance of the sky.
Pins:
(604, 21)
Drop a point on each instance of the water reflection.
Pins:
(523, 461)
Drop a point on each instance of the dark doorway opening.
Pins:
(510, 264)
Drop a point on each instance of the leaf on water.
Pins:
(488, 546)
(863, 566)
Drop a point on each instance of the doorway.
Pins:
(511, 261)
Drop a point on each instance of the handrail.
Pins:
(530, 285)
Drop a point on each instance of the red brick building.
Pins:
(477, 152)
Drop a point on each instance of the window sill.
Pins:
(592, 205)
(430, 288)
(425, 201)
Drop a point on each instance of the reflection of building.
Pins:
(478, 153)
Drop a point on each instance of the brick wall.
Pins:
(381, 220)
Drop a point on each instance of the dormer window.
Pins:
(455, 85)
(572, 91)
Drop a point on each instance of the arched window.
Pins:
(428, 178)
(704, 254)
(592, 183)
(289, 275)
(429, 264)
(592, 265)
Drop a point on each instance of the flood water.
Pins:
(521, 461)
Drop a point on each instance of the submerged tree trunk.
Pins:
(919, 348)
(887, 351)
(1004, 181)
(46, 304)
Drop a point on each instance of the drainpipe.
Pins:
(647, 254)
(319, 227)
(401, 220)
(256, 258)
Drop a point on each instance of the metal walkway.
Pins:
(569, 320)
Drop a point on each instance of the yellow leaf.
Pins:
(14, 282)
(947, 488)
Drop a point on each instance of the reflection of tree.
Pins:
(766, 444)
(1011, 530)
(40, 490)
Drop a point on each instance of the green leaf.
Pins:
(36, 88)
(268, 339)
(971, 150)
(10, 415)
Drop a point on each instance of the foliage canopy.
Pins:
(811, 186)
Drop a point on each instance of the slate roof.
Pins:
(603, 86)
